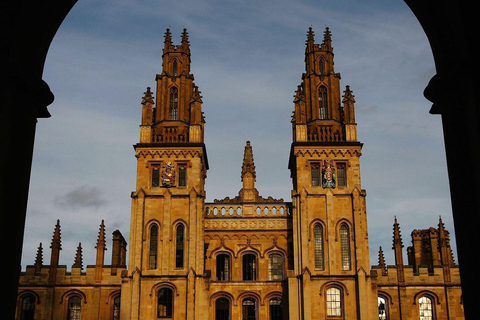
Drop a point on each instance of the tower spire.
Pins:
(327, 40)
(185, 42)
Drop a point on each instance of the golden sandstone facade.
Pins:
(248, 257)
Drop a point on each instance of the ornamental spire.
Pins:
(168, 38)
(248, 164)
(381, 261)
(185, 42)
(397, 243)
(39, 259)
(327, 38)
(78, 263)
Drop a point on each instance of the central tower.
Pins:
(166, 235)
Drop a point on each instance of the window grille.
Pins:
(382, 309)
(315, 174)
(74, 308)
(318, 242)
(179, 246)
(155, 176)
(173, 103)
(116, 308)
(222, 309)
(249, 267)
(165, 303)
(345, 247)
(152, 261)
(426, 308)
(28, 308)
(249, 307)
(182, 176)
(341, 175)
(334, 302)
(276, 312)
(322, 97)
(223, 267)
(275, 269)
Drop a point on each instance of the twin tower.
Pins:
(249, 257)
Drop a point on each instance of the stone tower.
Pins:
(166, 235)
(330, 236)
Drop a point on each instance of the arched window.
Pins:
(276, 312)
(74, 308)
(382, 309)
(318, 243)
(180, 245)
(223, 267)
(425, 307)
(174, 67)
(322, 98)
(116, 308)
(275, 267)
(165, 303)
(28, 307)
(345, 247)
(321, 66)
(249, 309)
(222, 309)
(249, 267)
(173, 103)
(334, 302)
(152, 257)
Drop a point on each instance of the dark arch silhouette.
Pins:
(28, 27)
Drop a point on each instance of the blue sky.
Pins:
(247, 58)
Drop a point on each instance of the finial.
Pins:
(248, 165)
(56, 240)
(310, 34)
(147, 96)
(39, 258)
(168, 38)
(397, 237)
(101, 244)
(348, 95)
(78, 263)
(185, 42)
(381, 261)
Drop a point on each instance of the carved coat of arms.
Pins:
(328, 174)
(168, 175)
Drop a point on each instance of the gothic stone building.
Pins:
(249, 257)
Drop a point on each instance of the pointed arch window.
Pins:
(165, 303)
(152, 259)
(28, 308)
(425, 307)
(276, 311)
(222, 309)
(322, 99)
(180, 246)
(74, 308)
(174, 67)
(321, 66)
(173, 103)
(318, 243)
(382, 309)
(345, 247)
(116, 308)
(275, 267)
(249, 262)
(249, 309)
(223, 267)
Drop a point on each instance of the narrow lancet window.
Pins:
(318, 242)
(152, 260)
(173, 103)
(222, 309)
(334, 302)
(322, 98)
(74, 308)
(276, 312)
(425, 308)
(249, 267)
(174, 67)
(223, 267)
(345, 247)
(275, 267)
(28, 308)
(165, 303)
(180, 242)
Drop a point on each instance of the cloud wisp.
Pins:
(81, 197)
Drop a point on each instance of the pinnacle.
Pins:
(248, 164)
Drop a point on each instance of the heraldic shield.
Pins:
(329, 179)
(168, 175)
